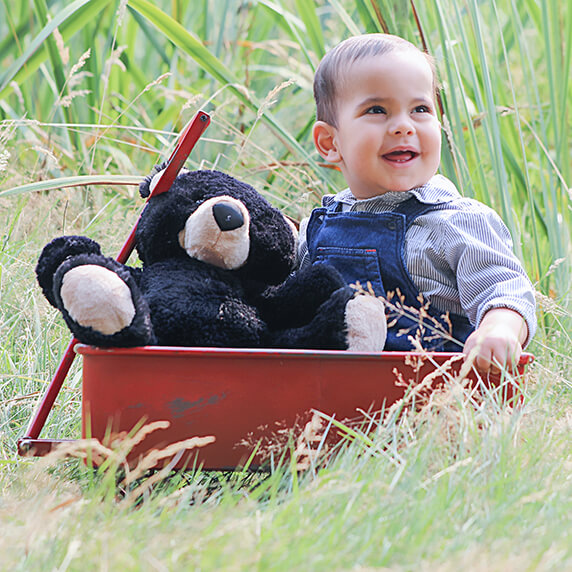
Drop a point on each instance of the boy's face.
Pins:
(388, 137)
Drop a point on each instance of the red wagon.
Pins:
(244, 398)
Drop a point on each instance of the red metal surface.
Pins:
(187, 140)
(234, 395)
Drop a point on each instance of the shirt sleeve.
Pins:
(303, 257)
(478, 247)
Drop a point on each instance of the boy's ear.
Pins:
(325, 142)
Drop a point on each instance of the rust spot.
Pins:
(180, 406)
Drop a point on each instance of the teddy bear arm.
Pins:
(325, 331)
(296, 301)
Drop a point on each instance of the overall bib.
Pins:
(376, 256)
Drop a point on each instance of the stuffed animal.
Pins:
(217, 270)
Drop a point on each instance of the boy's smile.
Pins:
(387, 136)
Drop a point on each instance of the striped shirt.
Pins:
(459, 254)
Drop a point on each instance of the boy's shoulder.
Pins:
(443, 193)
(458, 215)
(440, 190)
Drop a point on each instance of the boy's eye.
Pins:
(422, 109)
(375, 109)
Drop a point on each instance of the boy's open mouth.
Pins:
(400, 156)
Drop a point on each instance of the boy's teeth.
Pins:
(400, 156)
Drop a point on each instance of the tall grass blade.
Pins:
(195, 48)
(294, 25)
(67, 182)
(69, 20)
(307, 11)
(352, 27)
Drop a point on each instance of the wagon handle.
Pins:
(187, 140)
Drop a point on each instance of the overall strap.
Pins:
(412, 208)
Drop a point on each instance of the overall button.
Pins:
(391, 225)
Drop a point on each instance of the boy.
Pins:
(400, 226)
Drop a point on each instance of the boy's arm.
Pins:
(494, 289)
(497, 342)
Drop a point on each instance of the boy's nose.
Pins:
(402, 126)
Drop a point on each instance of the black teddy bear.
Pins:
(217, 270)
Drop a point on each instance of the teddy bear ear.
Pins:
(148, 183)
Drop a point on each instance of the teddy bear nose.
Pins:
(227, 215)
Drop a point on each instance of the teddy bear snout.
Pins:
(218, 233)
(227, 216)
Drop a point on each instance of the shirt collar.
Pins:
(437, 190)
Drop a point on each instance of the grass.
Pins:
(445, 488)
(100, 100)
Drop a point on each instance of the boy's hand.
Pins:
(497, 342)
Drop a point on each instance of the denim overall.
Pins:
(376, 256)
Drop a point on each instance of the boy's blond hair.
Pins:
(329, 74)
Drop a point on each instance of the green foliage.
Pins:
(93, 93)
(103, 87)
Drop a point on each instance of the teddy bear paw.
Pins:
(96, 297)
(101, 302)
(366, 324)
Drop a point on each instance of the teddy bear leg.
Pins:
(101, 303)
(291, 303)
(346, 321)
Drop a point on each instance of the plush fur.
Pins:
(217, 270)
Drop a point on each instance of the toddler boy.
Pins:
(400, 226)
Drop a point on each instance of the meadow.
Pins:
(93, 93)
